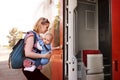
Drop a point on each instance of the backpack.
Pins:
(17, 55)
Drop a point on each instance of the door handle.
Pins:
(116, 65)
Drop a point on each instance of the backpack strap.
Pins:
(35, 38)
(35, 35)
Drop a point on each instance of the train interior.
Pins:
(94, 33)
(92, 39)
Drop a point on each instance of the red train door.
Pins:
(115, 16)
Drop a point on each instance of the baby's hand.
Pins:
(58, 47)
(27, 63)
(61, 47)
(39, 67)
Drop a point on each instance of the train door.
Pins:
(82, 30)
(109, 40)
(81, 33)
(104, 31)
(115, 23)
(69, 51)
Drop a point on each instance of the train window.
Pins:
(90, 20)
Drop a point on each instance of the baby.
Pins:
(44, 45)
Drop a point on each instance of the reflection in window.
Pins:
(56, 31)
(90, 20)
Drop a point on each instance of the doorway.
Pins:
(104, 30)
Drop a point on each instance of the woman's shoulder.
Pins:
(28, 35)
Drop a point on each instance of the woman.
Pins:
(40, 27)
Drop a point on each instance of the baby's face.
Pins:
(47, 39)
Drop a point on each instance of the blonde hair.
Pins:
(49, 34)
(41, 21)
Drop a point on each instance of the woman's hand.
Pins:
(47, 55)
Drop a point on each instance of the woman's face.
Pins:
(44, 28)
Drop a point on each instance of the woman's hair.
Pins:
(41, 21)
